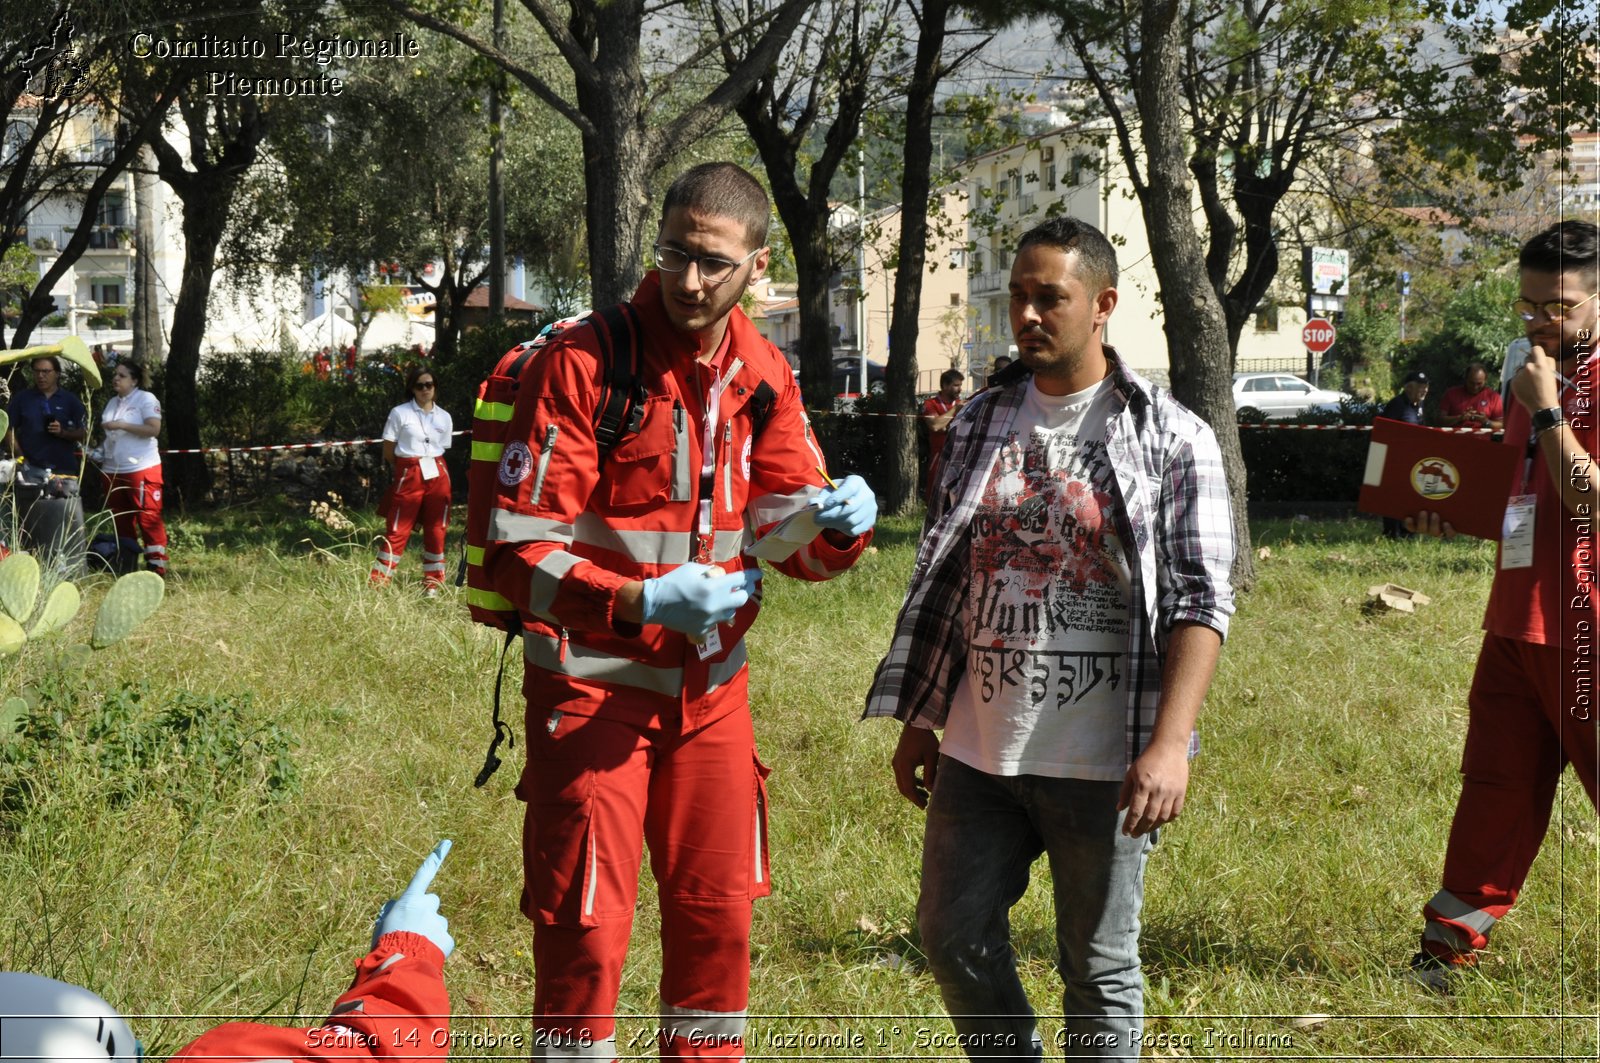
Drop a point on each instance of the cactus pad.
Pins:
(12, 712)
(75, 658)
(128, 603)
(19, 585)
(11, 636)
(59, 609)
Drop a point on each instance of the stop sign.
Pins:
(1318, 335)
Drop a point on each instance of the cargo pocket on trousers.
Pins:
(560, 856)
(761, 879)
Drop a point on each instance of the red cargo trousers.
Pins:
(1528, 717)
(597, 790)
(412, 499)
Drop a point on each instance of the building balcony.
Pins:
(111, 238)
(51, 238)
(985, 283)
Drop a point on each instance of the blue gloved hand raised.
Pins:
(416, 910)
(695, 598)
(850, 508)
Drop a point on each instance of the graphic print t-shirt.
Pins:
(1046, 613)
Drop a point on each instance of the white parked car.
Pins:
(1282, 394)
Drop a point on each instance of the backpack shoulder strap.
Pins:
(621, 347)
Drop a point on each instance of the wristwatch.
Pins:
(1546, 419)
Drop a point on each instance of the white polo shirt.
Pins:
(125, 451)
(418, 433)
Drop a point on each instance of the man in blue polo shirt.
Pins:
(47, 422)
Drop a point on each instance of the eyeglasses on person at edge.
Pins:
(713, 270)
(1555, 310)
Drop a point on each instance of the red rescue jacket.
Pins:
(569, 530)
(396, 1008)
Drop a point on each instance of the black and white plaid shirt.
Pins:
(1171, 512)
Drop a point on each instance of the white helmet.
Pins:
(41, 1018)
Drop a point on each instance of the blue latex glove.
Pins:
(695, 598)
(850, 508)
(416, 910)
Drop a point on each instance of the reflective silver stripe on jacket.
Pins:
(770, 508)
(545, 581)
(549, 1044)
(508, 527)
(702, 1027)
(641, 546)
(584, 662)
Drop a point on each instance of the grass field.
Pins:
(203, 822)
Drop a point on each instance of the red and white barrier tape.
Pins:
(465, 432)
(290, 446)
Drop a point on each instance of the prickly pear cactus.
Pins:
(19, 586)
(11, 636)
(12, 712)
(128, 603)
(59, 609)
(75, 658)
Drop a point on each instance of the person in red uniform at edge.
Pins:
(1472, 403)
(635, 588)
(936, 414)
(130, 463)
(414, 441)
(1531, 709)
(397, 1007)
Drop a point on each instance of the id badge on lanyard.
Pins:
(1516, 532)
(706, 531)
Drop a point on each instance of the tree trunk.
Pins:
(148, 346)
(205, 217)
(223, 141)
(898, 493)
(1197, 331)
(617, 159)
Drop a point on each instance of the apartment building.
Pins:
(1077, 170)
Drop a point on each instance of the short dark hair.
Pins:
(134, 366)
(1473, 367)
(951, 376)
(415, 373)
(55, 363)
(1097, 259)
(725, 190)
(1565, 247)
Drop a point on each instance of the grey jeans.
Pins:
(983, 834)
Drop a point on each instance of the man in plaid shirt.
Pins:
(1064, 619)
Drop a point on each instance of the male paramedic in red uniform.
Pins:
(1531, 710)
(635, 591)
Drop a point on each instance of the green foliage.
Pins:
(262, 397)
(19, 271)
(1477, 325)
(186, 749)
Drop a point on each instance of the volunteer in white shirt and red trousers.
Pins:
(414, 442)
(131, 463)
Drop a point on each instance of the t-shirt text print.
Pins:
(1047, 610)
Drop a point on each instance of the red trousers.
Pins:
(1526, 722)
(412, 499)
(134, 499)
(597, 790)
